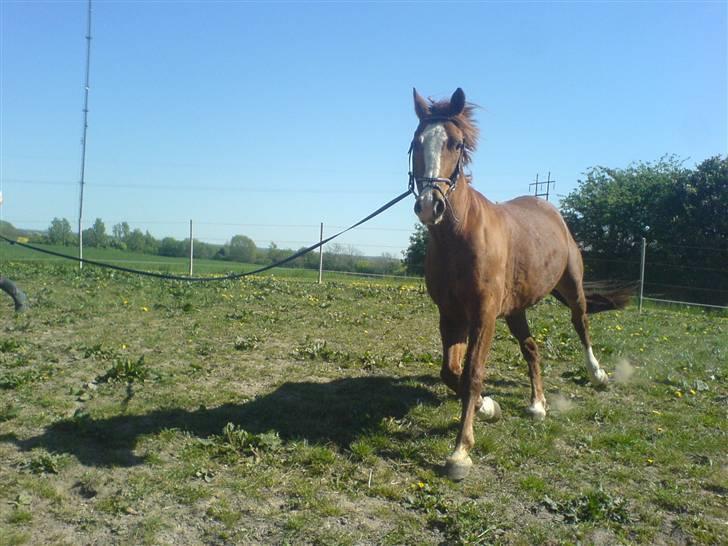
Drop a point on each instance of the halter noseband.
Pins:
(430, 183)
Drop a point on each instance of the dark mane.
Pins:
(464, 121)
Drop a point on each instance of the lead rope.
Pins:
(212, 279)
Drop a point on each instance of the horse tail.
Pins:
(603, 295)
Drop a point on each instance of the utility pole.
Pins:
(83, 139)
(537, 191)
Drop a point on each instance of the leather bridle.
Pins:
(427, 183)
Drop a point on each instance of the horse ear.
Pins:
(422, 109)
(457, 102)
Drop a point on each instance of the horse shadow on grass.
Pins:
(337, 413)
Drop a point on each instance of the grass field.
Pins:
(276, 410)
(174, 266)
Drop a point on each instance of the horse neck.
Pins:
(465, 205)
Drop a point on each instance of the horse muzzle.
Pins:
(430, 207)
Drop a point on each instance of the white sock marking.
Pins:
(537, 410)
(596, 374)
(488, 407)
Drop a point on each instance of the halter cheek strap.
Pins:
(430, 183)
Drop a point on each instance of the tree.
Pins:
(151, 245)
(9, 230)
(59, 232)
(414, 256)
(679, 211)
(96, 234)
(276, 254)
(242, 249)
(169, 246)
(389, 264)
(135, 241)
(204, 250)
(706, 203)
(121, 232)
(613, 209)
(341, 257)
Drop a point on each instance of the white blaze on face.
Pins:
(433, 139)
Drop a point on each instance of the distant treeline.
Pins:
(240, 248)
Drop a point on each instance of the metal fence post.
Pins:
(642, 271)
(191, 248)
(321, 255)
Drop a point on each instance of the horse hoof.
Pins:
(489, 410)
(458, 468)
(600, 379)
(536, 411)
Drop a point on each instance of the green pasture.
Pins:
(138, 260)
(273, 410)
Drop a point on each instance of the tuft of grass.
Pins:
(318, 349)
(20, 516)
(10, 537)
(593, 506)
(125, 369)
(46, 463)
(247, 343)
(222, 512)
(533, 485)
(239, 440)
(9, 346)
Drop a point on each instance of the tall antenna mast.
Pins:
(83, 140)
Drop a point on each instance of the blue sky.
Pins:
(268, 118)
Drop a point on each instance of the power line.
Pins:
(255, 189)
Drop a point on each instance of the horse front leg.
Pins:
(454, 335)
(459, 463)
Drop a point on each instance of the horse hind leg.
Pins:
(518, 325)
(572, 293)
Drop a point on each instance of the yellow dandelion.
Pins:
(618, 328)
(145, 308)
(692, 391)
(660, 429)
(678, 394)
(421, 485)
(125, 302)
(650, 461)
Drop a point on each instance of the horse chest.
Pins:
(457, 280)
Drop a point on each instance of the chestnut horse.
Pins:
(487, 260)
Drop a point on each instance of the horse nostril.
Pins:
(439, 208)
(418, 207)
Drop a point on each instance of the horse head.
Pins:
(443, 141)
